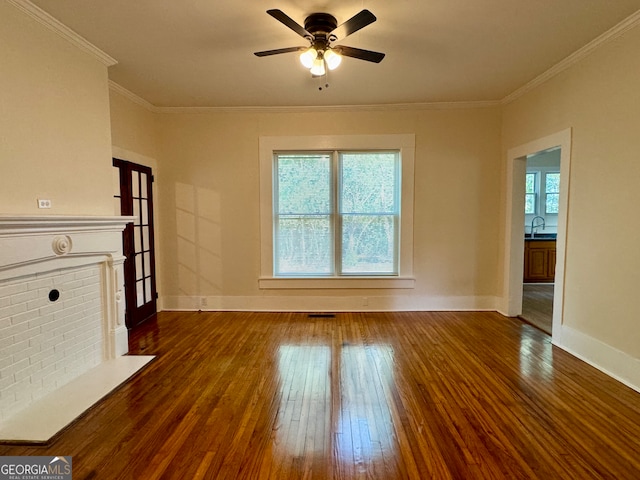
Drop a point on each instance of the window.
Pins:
(369, 209)
(552, 192)
(542, 192)
(531, 197)
(336, 211)
(303, 213)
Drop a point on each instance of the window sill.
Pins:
(335, 282)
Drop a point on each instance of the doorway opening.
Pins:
(516, 229)
(542, 192)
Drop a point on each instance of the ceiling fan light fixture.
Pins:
(321, 30)
(318, 68)
(332, 58)
(308, 57)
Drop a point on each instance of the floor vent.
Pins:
(322, 315)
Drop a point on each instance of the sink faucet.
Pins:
(535, 225)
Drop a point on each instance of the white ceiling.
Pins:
(199, 53)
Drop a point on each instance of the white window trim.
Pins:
(403, 142)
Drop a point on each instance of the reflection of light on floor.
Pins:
(305, 406)
(365, 429)
(536, 358)
(356, 407)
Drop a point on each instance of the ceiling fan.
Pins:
(321, 30)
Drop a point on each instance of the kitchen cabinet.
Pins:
(539, 261)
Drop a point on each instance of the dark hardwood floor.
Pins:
(362, 395)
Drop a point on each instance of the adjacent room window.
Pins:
(552, 192)
(336, 213)
(542, 192)
(531, 197)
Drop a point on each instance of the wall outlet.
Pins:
(203, 301)
(43, 203)
(365, 301)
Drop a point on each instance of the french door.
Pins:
(136, 198)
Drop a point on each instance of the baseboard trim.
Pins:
(325, 303)
(611, 361)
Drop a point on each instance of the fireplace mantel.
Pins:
(28, 241)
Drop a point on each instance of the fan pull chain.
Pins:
(325, 79)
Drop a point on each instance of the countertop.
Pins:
(540, 237)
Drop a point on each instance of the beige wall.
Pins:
(599, 98)
(133, 127)
(54, 126)
(209, 204)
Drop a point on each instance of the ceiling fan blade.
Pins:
(360, 54)
(355, 23)
(289, 22)
(266, 53)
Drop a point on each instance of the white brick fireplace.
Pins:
(61, 315)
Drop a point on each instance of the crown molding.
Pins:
(116, 87)
(62, 30)
(611, 34)
(332, 108)
(300, 109)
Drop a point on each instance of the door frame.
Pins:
(514, 226)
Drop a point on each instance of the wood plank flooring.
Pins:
(362, 395)
(537, 305)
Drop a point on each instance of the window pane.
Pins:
(144, 219)
(139, 270)
(137, 239)
(531, 197)
(143, 185)
(368, 244)
(530, 203)
(551, 205)
(136, 211)
(304, 184)
(145, 238)
(531, 183)
(135, 184)
(147, 289)
(552, 183)
(140, 293)
(369, 182)
(552, 189)
(304, 245)
(147, 264)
